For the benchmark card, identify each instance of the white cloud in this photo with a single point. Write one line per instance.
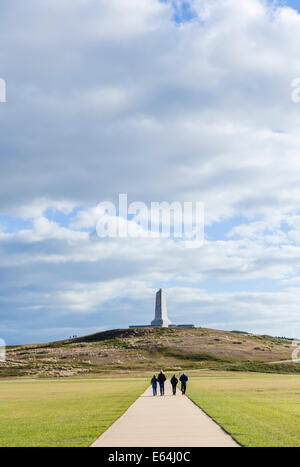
(38, 206)
(115, 97)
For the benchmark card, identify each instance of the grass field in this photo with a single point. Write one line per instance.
(62, 412)
(256, 409)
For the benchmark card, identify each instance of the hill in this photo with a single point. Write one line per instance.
(149, 349)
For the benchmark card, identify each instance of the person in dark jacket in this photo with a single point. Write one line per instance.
(161, 379)
(174, 382)
(154, 385)
(183, 379)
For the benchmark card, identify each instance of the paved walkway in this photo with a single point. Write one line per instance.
(167, 421)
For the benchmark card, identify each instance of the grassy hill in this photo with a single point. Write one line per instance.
(149, 349)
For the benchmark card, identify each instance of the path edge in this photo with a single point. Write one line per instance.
(117, 419)
(222, 428)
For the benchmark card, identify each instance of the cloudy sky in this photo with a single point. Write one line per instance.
(164, 101)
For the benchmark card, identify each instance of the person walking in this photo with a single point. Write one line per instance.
(183, 379)
(174, 382)
(154, 385)
(161, 379)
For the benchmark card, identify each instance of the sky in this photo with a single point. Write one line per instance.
(292, 3)
(164, 101)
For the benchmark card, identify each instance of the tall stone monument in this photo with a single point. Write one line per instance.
(161, 313)
(161, 319)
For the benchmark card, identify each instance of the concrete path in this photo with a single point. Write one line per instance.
(167, 421)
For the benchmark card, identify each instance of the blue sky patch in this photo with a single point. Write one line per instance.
(183, 10)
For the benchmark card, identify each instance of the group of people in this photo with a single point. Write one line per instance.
(161, 379)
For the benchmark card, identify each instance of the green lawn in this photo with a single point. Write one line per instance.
(62, 412)
(256, 409)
